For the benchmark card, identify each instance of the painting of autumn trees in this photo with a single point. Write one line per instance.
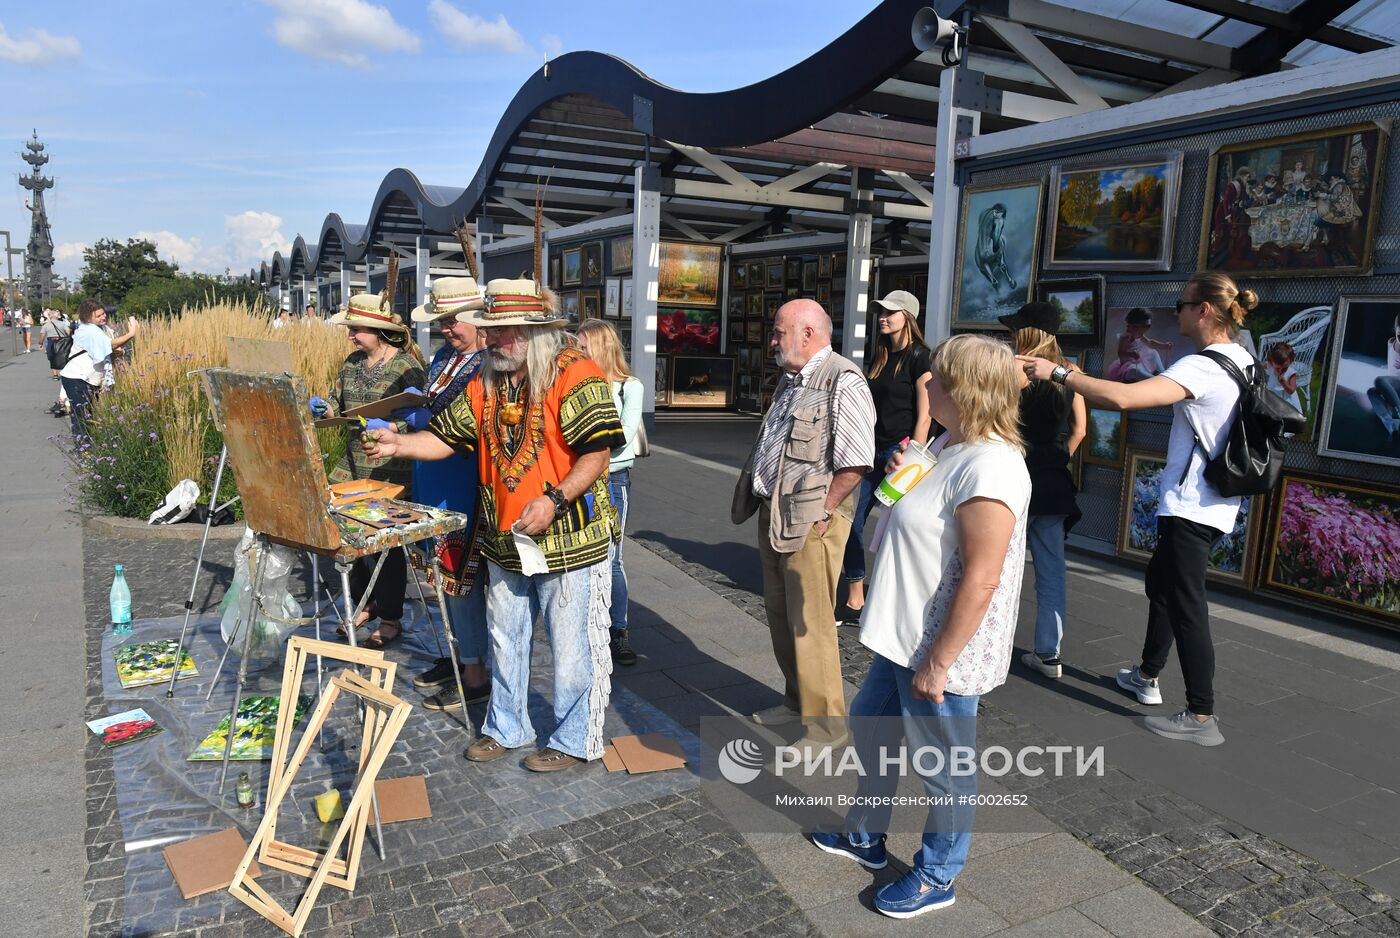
(1117, 217)
(689, 274)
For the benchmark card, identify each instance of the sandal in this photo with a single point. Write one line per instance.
(375, 641)
(369, 616)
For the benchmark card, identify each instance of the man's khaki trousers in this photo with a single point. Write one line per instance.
(799, 593)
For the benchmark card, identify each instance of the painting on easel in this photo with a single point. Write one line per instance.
(257, 730)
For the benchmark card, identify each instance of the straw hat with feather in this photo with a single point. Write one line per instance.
(448, 297)
(515, 303)
(367, 311)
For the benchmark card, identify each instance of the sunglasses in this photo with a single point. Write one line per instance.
(1182, 304)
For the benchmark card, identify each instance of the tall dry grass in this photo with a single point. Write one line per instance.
(157, 412)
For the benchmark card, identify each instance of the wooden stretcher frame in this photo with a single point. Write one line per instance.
(380, 673)
(395, 712)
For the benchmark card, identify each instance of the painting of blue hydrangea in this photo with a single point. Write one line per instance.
(1232, 558)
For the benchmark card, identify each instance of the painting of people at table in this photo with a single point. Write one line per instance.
(1305, 204)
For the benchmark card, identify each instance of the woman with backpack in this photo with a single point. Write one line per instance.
(1192, 514)
(599, 341)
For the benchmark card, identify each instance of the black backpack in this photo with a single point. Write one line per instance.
(1252, 458)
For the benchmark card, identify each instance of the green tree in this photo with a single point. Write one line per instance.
(1079, 200)
(168, 296)
(112, 268)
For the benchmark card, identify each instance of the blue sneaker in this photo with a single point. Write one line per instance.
(908, 896)
(872, 857)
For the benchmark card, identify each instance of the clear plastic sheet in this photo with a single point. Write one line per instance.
(269, 635)
(163, 799)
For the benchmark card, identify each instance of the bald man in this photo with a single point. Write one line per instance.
(817, 441)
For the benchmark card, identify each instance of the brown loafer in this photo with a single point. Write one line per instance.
(550, 760)
(485, 749)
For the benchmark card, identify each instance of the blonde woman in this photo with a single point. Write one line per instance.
(898, 378)
(1053, 424)
(599, 340)
(1191, 514)
(940, 616)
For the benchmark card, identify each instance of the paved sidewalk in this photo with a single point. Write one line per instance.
(41, 661)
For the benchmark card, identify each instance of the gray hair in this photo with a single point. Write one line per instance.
(544, 343)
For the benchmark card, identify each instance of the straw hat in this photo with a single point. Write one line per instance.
(366, 311)
(515, 303)
(449, 296)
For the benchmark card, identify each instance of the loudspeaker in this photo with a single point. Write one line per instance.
(929, 30)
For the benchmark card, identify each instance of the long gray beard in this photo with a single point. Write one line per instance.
(503, 363)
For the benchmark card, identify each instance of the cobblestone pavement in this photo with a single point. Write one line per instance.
(1233, 880)
(580, 852)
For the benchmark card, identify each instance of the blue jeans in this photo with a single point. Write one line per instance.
(886, 694)
(574, 607)
(853, 563)
(468, 614)
(620, 491)
(80, 397)
(1045, 536)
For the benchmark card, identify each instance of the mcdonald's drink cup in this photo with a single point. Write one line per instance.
(918, 462)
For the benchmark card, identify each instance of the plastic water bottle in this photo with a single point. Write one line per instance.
(120, 598)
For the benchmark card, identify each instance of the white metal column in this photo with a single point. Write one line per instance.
(421, 259)
(858, 228)
(943, 232)
(646, 262)
(344, 285)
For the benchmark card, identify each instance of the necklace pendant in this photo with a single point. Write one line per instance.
(511, 413)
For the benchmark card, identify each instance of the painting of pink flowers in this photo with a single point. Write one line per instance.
(1338, 544)
(687, 330)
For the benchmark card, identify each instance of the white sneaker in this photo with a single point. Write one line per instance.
(1146, 689)
(1050, 668)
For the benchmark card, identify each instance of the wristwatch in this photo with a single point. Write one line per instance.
(1059, 374)
(561, 504)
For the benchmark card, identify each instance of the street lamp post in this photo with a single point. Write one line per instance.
(10, 289)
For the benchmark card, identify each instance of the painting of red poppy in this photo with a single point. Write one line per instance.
(687, 330)
(127, 727)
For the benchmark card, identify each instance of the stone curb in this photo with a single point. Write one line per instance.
(111, 526)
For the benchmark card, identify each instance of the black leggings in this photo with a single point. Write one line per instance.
(1176, 590)
(387, 598)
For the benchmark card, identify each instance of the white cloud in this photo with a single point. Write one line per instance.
(67, 257)
(343, 31)
(185, 252)
(38, 48)
(470, 30)
(252, 237)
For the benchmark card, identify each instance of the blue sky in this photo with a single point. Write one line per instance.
(222, 130)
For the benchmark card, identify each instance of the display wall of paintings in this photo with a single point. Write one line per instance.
(1116, 216)
(621, 255)
(702, 381)
(663, 380)
(1337, 544)
(612, 299)
(1080, 304)
(1300, 204)
(1141, 341)
(687, 330)
(1361, 403)
(689, 274)
(1232, 559)
(1291, 340)
(995, 267)
(1104, 436)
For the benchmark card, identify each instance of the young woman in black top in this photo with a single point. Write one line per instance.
(899, 373)
(1053, 424)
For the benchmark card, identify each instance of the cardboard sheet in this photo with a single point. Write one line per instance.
(381, 408)
(206, 864)
(652, 752)
(402, 799)
(612, 761)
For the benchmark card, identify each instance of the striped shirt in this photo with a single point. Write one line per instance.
(853, 421)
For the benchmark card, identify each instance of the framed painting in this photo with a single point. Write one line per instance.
(738, 302)
(687, 330)
(739, 276)
(792, 271)
(1113, 217)
(773, 279)
(627, 298)
(809, 277)
(663, 380)
(753, 332)
(771, 303)
(689, 274)
(621, 251)
(1080, 305)
(1232, 559)
(1104, 437)
(555, 270)
(756, 274)
(824, 267)
(573, 266)
(1140, 342)
(590, 305)
(702, 381)
(736, 331)
(1361, 404)
(1292, 339)
(612, 300)
(823, 292)
(902, 281)
(569, 305)
(1337, 544)
(1305, 204)
(754, 304)
(593, 262)
(995, 268)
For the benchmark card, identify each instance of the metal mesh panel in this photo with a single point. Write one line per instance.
(1101, 490)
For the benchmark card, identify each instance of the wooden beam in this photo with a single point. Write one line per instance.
(1106, 30)
(881, 128)
(1025, 44)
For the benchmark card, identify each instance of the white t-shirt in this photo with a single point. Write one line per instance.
(917, 566)
(1209, 412)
